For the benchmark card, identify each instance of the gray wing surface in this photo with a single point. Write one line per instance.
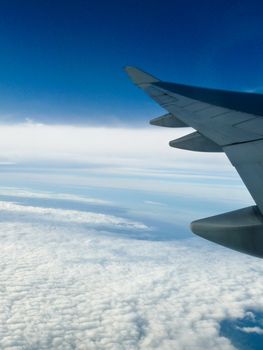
(225, 121)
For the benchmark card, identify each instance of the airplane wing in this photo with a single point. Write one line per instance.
(225, 121)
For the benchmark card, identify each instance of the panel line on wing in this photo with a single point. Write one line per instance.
(245, 121)
(242, 142)
(221, 114)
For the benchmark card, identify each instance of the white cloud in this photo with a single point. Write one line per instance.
(256, 330)
(19, 192)
(70, 280)
(65, 285)
(67, 216)
(136, 159)
(107, 146)
(154, 203)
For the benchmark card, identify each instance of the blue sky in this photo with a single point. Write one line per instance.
(61, 61)
(96, 248)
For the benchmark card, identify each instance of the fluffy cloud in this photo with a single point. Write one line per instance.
(72, 279)
(256, 330)
(68, 285)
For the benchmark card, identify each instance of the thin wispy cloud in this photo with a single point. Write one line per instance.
(68, 216)
(11, 192)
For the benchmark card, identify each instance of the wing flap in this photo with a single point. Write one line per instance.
(247, 158)
(254, 125)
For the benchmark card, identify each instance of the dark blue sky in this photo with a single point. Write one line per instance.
(61, 61)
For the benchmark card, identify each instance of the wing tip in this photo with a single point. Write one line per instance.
(139, 77)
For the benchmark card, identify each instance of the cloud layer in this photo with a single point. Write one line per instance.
(134, 159)
(110, 146)
(73, 278)
(68, 282)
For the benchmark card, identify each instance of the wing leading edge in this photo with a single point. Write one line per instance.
(225, 121)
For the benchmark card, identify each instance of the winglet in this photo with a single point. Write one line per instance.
(140, 77)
